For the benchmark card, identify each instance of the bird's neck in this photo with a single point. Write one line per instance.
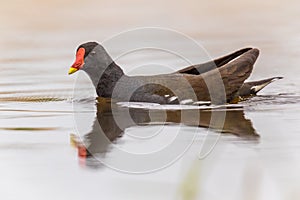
(105, 79)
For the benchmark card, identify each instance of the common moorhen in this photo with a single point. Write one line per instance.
(218, 81)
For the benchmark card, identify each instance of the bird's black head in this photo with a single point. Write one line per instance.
(93, 59)
(88, 47)
(82, 52)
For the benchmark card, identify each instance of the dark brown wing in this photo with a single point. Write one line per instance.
(229, 78)
(205, 67)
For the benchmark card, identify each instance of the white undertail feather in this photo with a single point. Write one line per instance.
(257, 88)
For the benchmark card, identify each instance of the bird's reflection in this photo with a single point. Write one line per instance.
(112, 120)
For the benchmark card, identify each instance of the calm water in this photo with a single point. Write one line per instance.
(39, 110)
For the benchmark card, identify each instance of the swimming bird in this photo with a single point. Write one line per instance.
(218, 81)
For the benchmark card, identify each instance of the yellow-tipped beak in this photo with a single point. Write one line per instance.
(72, 70)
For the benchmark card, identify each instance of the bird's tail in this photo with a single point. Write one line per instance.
(257, 86)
